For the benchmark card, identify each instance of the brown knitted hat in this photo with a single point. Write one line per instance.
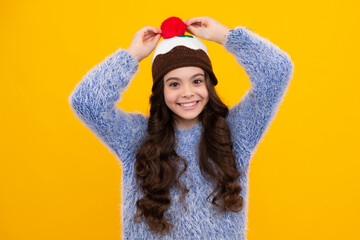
(181, 56)
(177, 50)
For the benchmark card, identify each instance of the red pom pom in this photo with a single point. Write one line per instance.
(172, 27)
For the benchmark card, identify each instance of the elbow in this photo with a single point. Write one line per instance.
(72, 99)
(75, 102)
(280, 67)
(286, 67)
(78, 97)
(79, 107)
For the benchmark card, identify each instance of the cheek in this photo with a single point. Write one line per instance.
(205, 94)
(169, 97)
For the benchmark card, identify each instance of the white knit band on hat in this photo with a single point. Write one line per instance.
(185, 40)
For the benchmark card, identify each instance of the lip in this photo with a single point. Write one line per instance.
(189, 108)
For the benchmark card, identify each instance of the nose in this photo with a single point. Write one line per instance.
(187, 91)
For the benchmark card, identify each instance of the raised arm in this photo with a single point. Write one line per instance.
(270, 70)
(94, 98)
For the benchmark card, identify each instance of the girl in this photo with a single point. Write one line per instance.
(185, 167)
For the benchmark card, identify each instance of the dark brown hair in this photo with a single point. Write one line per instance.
(157, 162)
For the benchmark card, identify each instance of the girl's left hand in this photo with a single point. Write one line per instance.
(207, 28)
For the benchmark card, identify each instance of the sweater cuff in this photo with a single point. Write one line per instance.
(127, 61)
(238, 35)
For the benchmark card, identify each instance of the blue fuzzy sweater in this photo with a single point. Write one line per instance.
(94, 103)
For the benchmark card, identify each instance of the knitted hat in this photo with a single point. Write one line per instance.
(177, 50)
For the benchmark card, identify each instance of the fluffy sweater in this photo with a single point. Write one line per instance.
(94, 102)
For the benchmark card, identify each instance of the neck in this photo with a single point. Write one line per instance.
(185, 123)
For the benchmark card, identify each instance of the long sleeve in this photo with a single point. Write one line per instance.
(270, 70)
(94, 103)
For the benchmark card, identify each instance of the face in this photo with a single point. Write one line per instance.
(185, 94)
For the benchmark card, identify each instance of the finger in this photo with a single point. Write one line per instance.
(152, 29)
(149, 38)
(192, 30)
(191, 21)
(145, 31)
(189, 31)
(150, 35)
(157, 38)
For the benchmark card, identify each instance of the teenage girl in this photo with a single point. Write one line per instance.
(185, 167)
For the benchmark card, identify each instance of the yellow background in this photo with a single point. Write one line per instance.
(58, 181)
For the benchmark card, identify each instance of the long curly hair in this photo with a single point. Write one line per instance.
(157, 162)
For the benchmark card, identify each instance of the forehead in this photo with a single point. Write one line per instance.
(184, 72)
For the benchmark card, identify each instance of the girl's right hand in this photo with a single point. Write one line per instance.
(144, 42)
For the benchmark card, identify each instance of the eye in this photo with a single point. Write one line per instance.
(174, 84)
(198, 81)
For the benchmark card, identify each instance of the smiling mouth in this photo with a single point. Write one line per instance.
(189, 105)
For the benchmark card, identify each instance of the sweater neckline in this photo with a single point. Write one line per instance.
(196, 127)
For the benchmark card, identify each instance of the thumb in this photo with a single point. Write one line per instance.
(157, 38)
(191, 30)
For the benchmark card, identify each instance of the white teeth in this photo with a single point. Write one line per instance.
(188, 104)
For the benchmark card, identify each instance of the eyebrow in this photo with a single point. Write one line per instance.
(175, 78)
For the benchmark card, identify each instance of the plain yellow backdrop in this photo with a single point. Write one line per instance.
(58, 181)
